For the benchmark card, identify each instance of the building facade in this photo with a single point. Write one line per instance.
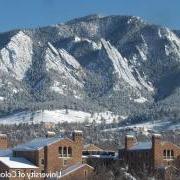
(149, 155)
(54, 154)
(3, 141)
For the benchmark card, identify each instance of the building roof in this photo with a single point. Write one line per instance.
(141, 146)
(6, 152)
(17, 163)
(37, 144)
(3, 135)
(91, 147)
(130, 136)
(73, 168)
(100, 156)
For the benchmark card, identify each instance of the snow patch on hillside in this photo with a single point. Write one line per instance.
(140, 100)
(1, 98)
(60, 116)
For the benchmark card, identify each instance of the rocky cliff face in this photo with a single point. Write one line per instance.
(120, 63)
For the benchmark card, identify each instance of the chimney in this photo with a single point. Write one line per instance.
(156, 138)
(3, 141)
(77, 136)
(156, 150)
(130, 141)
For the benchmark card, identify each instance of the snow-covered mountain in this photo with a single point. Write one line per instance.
(117, 63)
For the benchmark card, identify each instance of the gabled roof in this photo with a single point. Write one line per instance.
(37, 144)
(73, 168)
(142, 146)
(17, 163)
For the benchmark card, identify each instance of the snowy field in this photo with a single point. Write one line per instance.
(59, 116)
(156, 125)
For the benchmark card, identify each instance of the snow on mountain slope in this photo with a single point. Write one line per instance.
(60, 61)
(140, 100)
(125, 71)
(16, 57)
(173, 47)
(120, 64)
(114, 62)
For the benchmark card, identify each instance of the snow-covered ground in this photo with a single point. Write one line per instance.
(59, 116)
(1, 98)
(140, 100)
(156, 125)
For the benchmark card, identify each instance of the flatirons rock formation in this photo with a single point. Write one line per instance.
(119, 63)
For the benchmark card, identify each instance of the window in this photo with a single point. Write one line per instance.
(60, 151)
(69, 152)
(132, 154)
(85, 173)
(65, 162)
(32, 171)
(172, 154)
(164, 154)
(42, 161)
(168, 154)
(18, 173)
(65, 152)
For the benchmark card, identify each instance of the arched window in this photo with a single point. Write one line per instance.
(69, 152)
(164, 154)
(172, 154)
(60, 151)
(168, 154)
(65, 152)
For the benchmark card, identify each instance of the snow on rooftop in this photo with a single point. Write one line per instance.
(6, 152)
(37, 143)
(77, 131)
(3, 135)
(142, 146)
(73, 168)
(14, 162)
(157, 135)
(130, 136)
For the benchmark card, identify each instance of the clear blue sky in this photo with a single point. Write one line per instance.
(34, 13)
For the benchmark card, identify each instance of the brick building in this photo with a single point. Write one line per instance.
(3, 141)
(150, 155)
(50, 154)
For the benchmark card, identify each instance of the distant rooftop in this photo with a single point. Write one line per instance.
(91, 147)
(37, 144)
(142, 146)
(130, 136)
(73, 168)
(14, 162)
